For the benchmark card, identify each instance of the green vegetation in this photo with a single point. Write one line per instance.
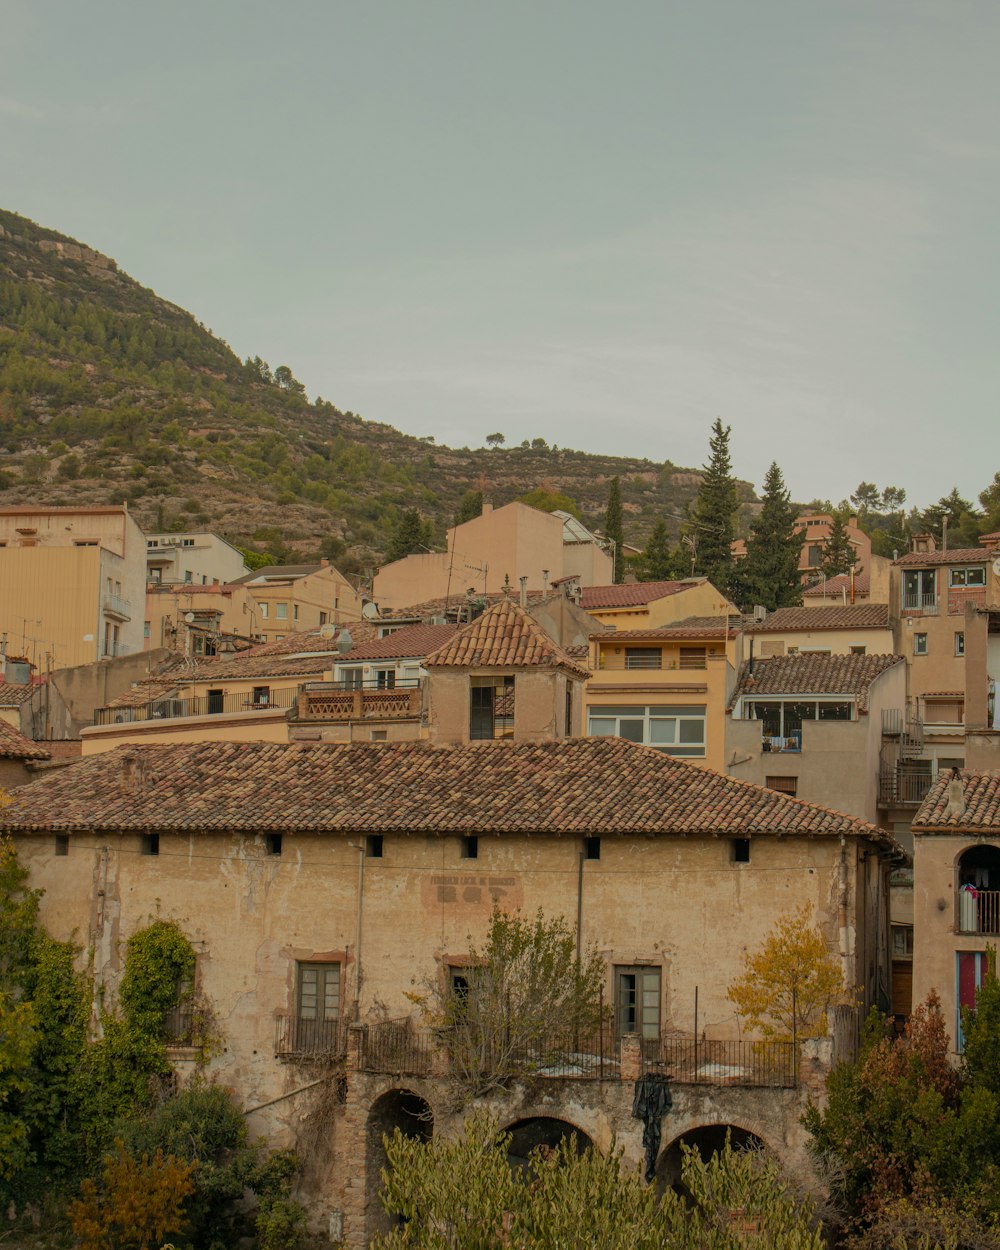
(614, 526)
(769, 572)
(714, 514)
(461, 1194)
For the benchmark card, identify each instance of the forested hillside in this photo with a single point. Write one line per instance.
(108, 393)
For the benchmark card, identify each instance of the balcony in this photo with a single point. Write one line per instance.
(774, 743)
(979, 911)
(309, 1039)
(650, 663)
(204, 705)
(115, 605)
(920, 601)
(397, 1047)
(902, 789)
(336, 701)
(112, 649)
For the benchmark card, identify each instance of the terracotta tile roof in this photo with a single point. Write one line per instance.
(450, 606)
(280, 572)
(835, 586)
(813, 674)
(412, 640)
(14, 696)
(504, 636)
(692, 627)
(629, 594)
(575, 786)
(15, 746)
(959, 555)
(844, 616)
(981, 792)
(944, 694)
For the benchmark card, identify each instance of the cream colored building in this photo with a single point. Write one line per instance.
(495, 550)
(864, 584)
(292, 598)
(853, 629)
(650, 605)
(197, 558)
(194, 619)
(72, 584)
(324, 884)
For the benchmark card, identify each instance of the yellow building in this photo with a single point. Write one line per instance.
(193, 620)
(72, 584)
(292, 598)
(648, 605)
(852, 629)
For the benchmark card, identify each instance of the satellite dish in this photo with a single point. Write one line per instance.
(370, 611)
(996, 566)
(189, 617)
(327, 631)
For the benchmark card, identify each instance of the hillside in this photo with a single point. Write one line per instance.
(108, 392)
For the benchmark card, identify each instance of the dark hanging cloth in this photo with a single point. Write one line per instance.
(651, 1103)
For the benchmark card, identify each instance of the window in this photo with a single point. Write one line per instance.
(353, 678)
(261, 696)
(385, 679)
(902, 941)
(379, 735)
(62, 844)
(784, 785)
(264, 610)
(188, 575)
(815, 556)
(568, 731)
(858, 650)
(150, 844)
(675, 730)
(373, 846)
(145, 629)
(317, 1007)
(643, 657)
(281, 611)
(919, 590)
(919, 644)
(591, 848)
(782, 719)
(187, 542)
(322, 618)
(967, 577)
(740, 850)
(693, 657)
(272, 843)
(637, 1001)
(295, 611)
(959, 643)
(470, 847)
(491, 708)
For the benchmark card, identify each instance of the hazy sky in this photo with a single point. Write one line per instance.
(604, 224)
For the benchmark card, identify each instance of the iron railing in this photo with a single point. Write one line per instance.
(178, 1026)
(917, 601)
(313, 1039)
(634, 663)
(690, 1061)
(398, 1048)
(202, 705)
(978, 911)
(115, 605)
(903, 788)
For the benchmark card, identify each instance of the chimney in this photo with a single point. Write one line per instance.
(524, 591)
(133, 775)
(487, 508)
(955, 807)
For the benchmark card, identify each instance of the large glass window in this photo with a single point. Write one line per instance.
(782, 719)
(919, 589)
(637, 1001)
(967, 577)
(675, 730)
(643, 657)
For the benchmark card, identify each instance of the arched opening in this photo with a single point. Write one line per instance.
(978, 869)
(708, 1140)
(528, 1135)
(412, 1115)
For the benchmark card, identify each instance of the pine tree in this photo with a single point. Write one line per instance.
(407, 537)
(838, 554)
(715, 512)
(614, 525)
(661, 562)
(768, 574)
(470, 506)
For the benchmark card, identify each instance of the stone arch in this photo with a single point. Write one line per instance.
(977, 880)
(412, 1115)
(979, 865)
(530, 1132)
(707, 1140)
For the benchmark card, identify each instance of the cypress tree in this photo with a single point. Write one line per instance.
(769, 572)
(715, 512)
(614, 525)
(660, 561)
(407, 537)
(838, 554)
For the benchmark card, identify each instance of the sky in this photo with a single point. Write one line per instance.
(600, 224)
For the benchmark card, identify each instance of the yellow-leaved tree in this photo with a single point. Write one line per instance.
(789, 984)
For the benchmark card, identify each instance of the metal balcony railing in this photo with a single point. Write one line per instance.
(917, 601)
(903, 788)
(748, 1064)
(978, 911)
(639, 663)
(115, 605)
(309, 1039)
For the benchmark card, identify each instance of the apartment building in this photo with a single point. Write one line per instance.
(814, 529)
(72, 584)
(195, 558)
(292, 598)
(849, 629)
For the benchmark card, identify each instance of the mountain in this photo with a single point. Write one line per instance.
(108, 392)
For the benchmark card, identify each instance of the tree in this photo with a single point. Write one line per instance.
(495, 440)
(461, 1194)
(545, 499)
(284, 378)
(962, 520)
(788, 985)
(714, 512)
(838, 553)
(139, 1203)
(538, 444)
(470, 506)
(407, 537)
(769, 572)
(526, 995)
(614, 526)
